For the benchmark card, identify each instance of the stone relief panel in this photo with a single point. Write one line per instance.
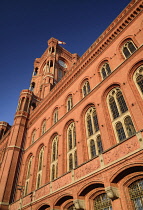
(63, 181)
(42, 191)
(121, 150)
(87, 168)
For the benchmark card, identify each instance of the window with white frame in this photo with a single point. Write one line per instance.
(28, 176)
(138, 79)
(93, 133)
(43, 128)
(55, 116)
(33, 136)
(40, 167)
(105, 70)
(85, 88)
(69, 103)
(71, 147)
(121, 119)
(128, 48)
(54, 158)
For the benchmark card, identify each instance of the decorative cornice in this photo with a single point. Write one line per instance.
(105, 39)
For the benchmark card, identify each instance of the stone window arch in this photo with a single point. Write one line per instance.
(85, 88)
(128, 48)
(40, 167)
(93, 133)
(105, 70)
(71, 147)
(54, 158)
(28, 176)
(121, 119)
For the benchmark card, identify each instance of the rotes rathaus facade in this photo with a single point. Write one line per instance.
(77, 137)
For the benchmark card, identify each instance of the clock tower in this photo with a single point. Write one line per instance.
(50, 68)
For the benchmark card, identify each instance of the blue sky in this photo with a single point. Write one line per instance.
(25, 28)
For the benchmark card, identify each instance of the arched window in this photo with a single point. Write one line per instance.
(69, 103)
(54, 158)
(33, 136)
(105, 70)
(32, 86)
(136, 194)
(119, 112)
(128, 48)
(55, 116)
(93, 133)
(102, 202)
(117, 103)
(85, 88)
(71, 147)
(28, 176)
(35, 72)
(40, 166)
(43, 128)
(138, 79)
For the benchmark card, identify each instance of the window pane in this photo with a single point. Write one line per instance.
(84, 90)
(95, 120)
(89, 126)
(88, 87)
(131, 47)
(113, 107)
(99, 144)
(92, 148)
(70, 139)
(54, 151)
(126, 52)
(103, 73)
(120, 131)
(129, 126)
(102, 202)
(108, 68)
(70, 162)
(75, 159)
(53, 172)
(139, 81)
(136, 194)
(122, 103)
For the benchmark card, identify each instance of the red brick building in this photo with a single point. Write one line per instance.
(77, 137)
